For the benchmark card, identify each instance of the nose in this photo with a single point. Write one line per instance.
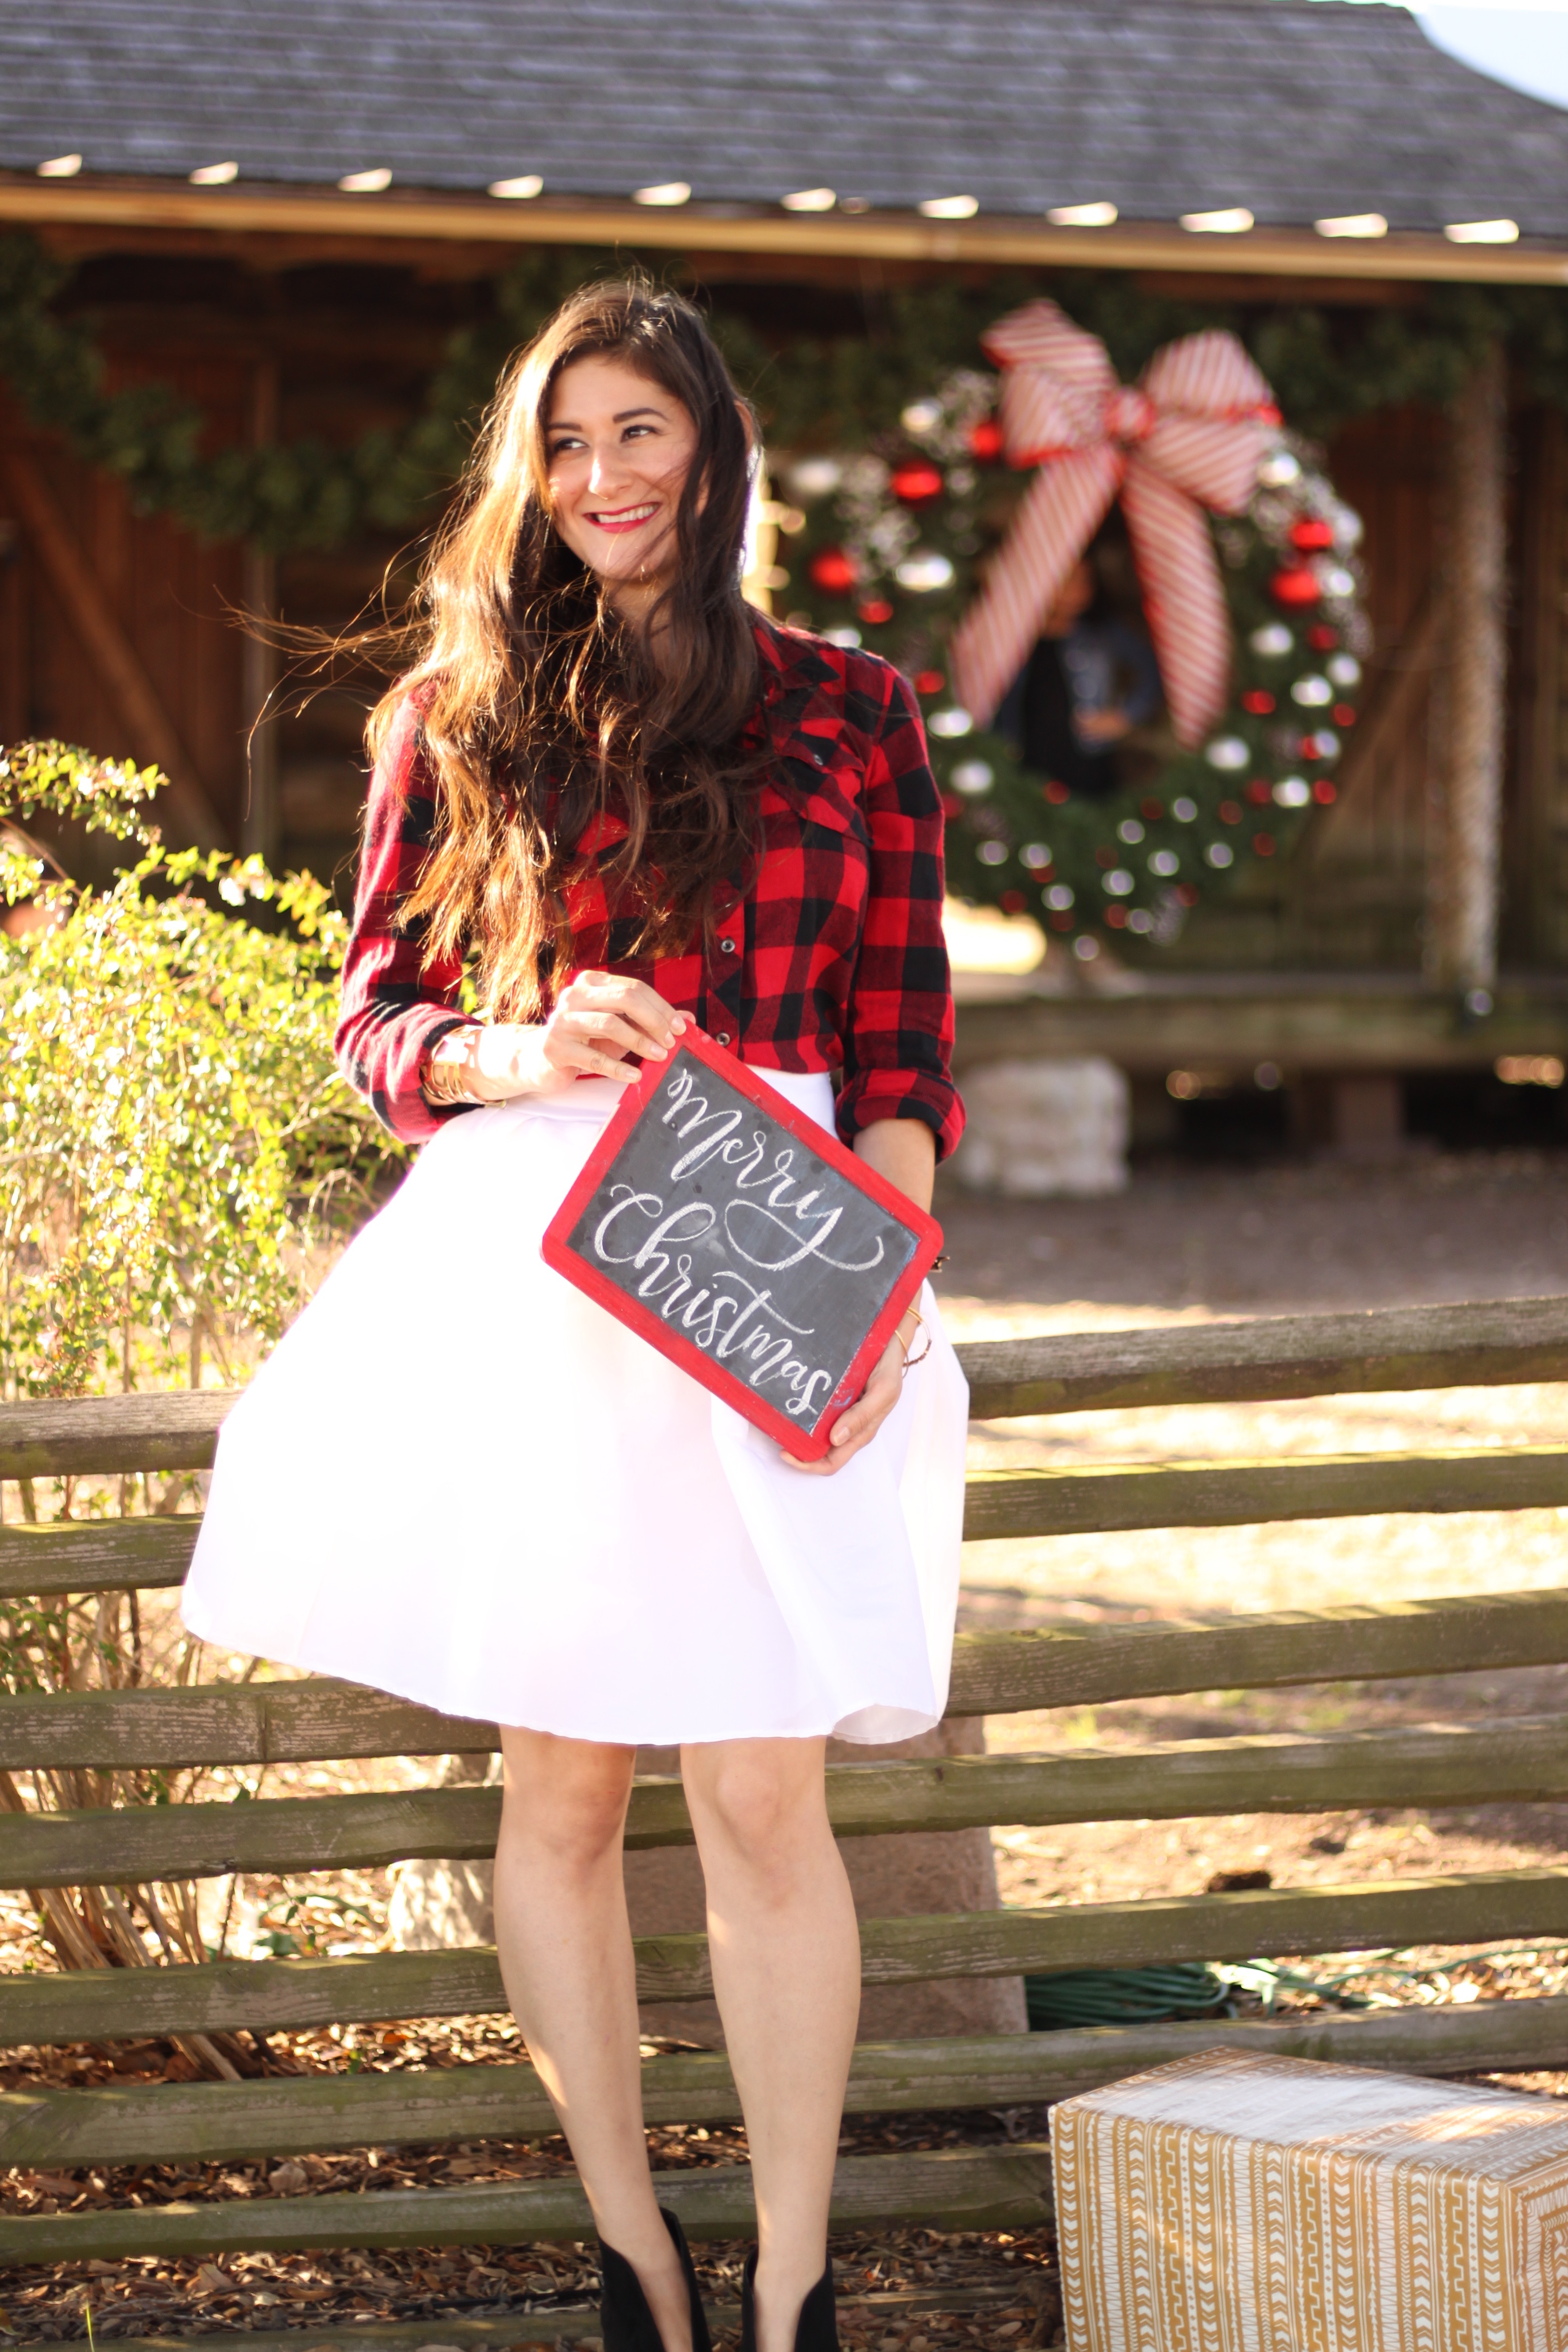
(604, 470)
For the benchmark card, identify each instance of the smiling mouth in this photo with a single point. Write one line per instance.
(626, 517)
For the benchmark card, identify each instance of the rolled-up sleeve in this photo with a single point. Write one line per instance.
(394, 1004)
(898, 1047)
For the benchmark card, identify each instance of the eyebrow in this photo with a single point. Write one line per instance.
(621, 416)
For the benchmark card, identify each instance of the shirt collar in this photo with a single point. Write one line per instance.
(793, 670)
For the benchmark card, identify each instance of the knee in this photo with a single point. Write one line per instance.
(564, 1800)
(758, 1810)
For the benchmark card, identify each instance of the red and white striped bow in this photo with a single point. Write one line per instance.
(1189, 436)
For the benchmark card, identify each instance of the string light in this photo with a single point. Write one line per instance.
(1230, 221)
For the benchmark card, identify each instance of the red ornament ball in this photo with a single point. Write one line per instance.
(986, 440)
(1259, 701)
(1260, 792)
(1057, 793)
(1151, 811)
(1229, 813)
(1115, 918)
(1013, 902)
(1345, 714)
(1321, 638)
(1263, 843)
(1310, 536)
(915, 483)
(1188, 894)
(1295, 587)
(929, 681)
(834, 571)
(1325, 792)
(874, 611)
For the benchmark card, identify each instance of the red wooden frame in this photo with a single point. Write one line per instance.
(808, 1444)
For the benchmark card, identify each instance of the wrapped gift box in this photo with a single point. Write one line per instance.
(1233, 2203)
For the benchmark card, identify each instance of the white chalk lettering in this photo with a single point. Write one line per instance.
(774, 1213)
(811, 1247)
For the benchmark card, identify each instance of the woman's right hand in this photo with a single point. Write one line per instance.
(598, 1020)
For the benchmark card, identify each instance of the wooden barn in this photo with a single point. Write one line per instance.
(293, 221)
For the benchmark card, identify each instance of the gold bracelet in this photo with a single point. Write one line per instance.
(919, 1323)
(443, 1084)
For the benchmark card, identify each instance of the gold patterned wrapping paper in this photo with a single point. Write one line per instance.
(1232, 2203)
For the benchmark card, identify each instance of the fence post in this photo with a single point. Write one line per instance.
(1465, 858)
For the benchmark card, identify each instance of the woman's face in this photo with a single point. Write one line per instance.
(619, 449)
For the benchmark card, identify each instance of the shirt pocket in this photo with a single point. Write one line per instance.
(820, 800)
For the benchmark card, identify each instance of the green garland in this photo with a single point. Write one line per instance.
(846, 393)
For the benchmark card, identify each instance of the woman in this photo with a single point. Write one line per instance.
(1091, 679)
(632, 804)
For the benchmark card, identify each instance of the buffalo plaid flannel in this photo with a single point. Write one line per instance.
(833, 961)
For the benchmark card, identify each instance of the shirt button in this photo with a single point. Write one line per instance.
(728, 946)
(723, 1037)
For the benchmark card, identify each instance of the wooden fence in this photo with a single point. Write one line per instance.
(1506, 1757)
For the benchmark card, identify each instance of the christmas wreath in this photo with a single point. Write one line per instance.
(934, 550)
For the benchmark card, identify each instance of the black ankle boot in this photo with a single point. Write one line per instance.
(816, 2329)
(624, 2320)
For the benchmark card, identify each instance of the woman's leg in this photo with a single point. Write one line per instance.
(566, 1960)
(786, 1971)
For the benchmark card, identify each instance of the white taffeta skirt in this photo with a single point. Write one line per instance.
(459, 1479)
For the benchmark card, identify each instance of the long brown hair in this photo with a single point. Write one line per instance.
(542, 710)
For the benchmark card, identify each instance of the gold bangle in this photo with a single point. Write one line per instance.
(920, 1325)
(444, 1085)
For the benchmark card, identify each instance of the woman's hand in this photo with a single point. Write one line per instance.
(598, 1020)
(856, 1428)
(904, 1152)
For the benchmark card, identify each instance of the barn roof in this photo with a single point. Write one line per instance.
(1296, 109)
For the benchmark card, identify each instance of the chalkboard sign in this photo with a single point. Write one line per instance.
(743, 1242)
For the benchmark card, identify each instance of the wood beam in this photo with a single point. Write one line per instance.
(721, 228)
(149, 729)
(1543, 520)
(1464, 867)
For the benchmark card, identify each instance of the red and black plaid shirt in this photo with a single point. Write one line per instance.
(833, 961)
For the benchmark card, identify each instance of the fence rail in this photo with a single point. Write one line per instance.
(187, 2122)
(314, 1719)
(1523, 1758)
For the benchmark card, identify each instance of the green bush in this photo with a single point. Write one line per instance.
(178, 1152)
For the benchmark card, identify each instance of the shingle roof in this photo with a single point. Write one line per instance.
(1294, 108)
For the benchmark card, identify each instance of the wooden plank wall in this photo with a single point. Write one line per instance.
(330, 351)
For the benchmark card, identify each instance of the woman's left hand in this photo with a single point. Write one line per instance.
(865, 1417)
(903, 1152)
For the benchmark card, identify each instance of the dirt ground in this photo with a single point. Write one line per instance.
(1184, 1244)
